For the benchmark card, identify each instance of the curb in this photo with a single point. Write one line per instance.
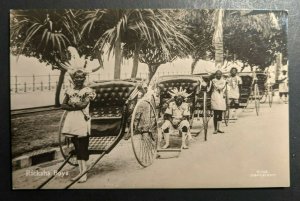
(35, 158)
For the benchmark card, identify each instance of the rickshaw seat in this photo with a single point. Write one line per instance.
(107, 109)
(246, 80)
(261, 80)
(190, 85)
(110, 99)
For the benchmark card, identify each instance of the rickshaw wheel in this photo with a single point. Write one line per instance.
(65, 144)
(226, 114)
(270, 96)
(256, 97)
(144, 132)
(227, 111)
(205, 125)
(248, 102)
(264, 98)
(205, 116)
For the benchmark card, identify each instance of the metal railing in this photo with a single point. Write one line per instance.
(42, 83)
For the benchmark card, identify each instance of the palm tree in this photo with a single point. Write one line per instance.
(44, 35)
(199, 28)
(132, 29)
(154, 56)
(262, 22)
(254, 37)
(218, 38)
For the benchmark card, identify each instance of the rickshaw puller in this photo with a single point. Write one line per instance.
(234, 87)
(218, 102)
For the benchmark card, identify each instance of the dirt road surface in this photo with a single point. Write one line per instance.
(253, 151)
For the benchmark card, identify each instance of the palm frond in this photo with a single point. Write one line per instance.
(45, 33)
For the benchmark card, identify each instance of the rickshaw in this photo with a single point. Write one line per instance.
(268, 92)
(120, 107)
(207, 78)
(199, 101)
(253, 87)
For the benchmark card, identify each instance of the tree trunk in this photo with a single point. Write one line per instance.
(218, 38)
(118, 58)
(152, 70)
(58, 87)
(195, 61)
(135, 61)
(219, 54)
(278, 65)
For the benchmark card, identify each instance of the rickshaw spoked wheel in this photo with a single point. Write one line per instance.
(227, 111)
(144, 132)
(65, 144)
(270, 96)
(226, 114)
(256, 97)
(205, 116)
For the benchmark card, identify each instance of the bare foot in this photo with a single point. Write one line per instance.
(184, 147)
(190, 137)
(76, 177)
(83, 179)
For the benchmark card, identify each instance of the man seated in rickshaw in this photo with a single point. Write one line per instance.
(176, 116)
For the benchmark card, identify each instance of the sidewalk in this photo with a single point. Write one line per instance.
(33, 99)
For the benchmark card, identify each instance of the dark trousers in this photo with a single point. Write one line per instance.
(217, 117)
(81, 145)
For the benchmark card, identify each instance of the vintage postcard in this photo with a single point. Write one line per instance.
(149, 98)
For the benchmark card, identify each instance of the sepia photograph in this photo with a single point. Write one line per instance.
(149, 98)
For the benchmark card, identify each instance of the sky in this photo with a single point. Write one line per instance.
(25, 66)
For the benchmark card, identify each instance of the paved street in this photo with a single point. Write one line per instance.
(253, 151)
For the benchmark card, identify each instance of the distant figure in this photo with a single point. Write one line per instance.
(234, 87)
(270, 81)
(283, 86)
(78, 122)
(218, 100)
(270, 77)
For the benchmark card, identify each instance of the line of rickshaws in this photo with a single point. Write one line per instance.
(125, 108)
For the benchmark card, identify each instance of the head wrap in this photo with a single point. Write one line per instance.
(75, 64)
(181, 92)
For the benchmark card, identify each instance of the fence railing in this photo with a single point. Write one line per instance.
(42, 83)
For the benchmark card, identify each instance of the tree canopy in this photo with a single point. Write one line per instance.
(151, 36)
(255, 38)
(46, 35)
(199, 28)
(43, 35)
(137, 30)
(252, 37)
